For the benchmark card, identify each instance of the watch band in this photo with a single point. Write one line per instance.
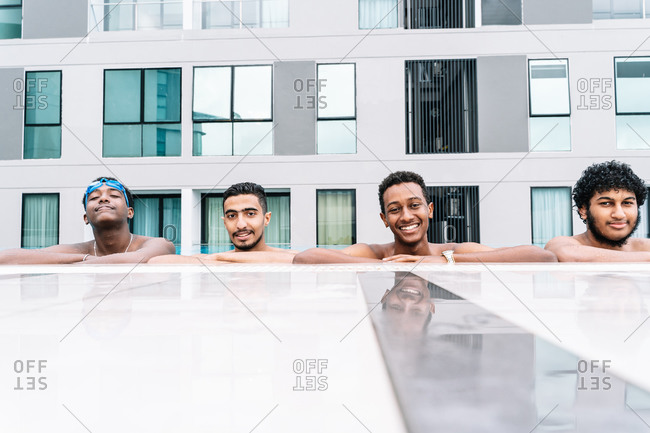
(449, 255)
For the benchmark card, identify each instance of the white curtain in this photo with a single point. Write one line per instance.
(40, 220)
(275, 13)
(145, 216)
(551, 214)
(380, 13)
(172, 219)
(216, 234)
(336, 215)
(278, 232)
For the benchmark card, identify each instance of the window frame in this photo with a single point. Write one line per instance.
(530, 96)
(22, 215)
(354, 212)
(160, 197)
(10, 7)
(570, 210)
(31, 125)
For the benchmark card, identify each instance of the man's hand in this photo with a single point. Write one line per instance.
(407, 258)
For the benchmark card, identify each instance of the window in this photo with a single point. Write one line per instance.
(550, 214)
(441, 106)
(337, 111)
(236, 14)
(157, 216)
(115, 15)
(419, 14)
(550, 110)
(615, 9)
(42, 115)
(643, 230)
(40, 223)
(632, 84)
(336, 217)
(11, 19)
(501, 12)
(233, 113)
(142, 112)
(455, 214)
(214, 237)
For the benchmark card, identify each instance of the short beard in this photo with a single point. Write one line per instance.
(591, 226)
(248, 247)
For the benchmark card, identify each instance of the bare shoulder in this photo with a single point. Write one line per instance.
(78, 248)
(639, 244)
(141, 242)
(563, 241)
(371, 251)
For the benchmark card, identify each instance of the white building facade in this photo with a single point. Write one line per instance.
(499, 105)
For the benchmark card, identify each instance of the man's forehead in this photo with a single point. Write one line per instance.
(242, 201)
(104, 188)
(611, 193)
(404, 191)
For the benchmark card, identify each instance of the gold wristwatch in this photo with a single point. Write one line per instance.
(449, 255)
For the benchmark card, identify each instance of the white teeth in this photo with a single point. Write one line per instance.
(412, 226)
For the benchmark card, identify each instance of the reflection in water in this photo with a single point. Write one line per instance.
(408, 307)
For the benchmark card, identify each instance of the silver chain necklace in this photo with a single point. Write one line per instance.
(127, 247)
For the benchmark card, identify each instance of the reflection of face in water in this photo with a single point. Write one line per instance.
(407, 306)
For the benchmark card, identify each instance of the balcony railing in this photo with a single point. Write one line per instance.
(149, 15)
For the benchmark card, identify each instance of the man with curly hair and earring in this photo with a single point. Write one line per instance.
(607, 197)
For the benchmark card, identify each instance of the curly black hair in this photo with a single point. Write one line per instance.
(401, 177)
(605, 176)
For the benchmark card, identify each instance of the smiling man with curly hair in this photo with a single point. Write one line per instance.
(607, 197)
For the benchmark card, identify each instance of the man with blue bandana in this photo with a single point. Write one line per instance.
(109, 207)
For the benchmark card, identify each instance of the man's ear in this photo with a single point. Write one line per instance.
(583, 213)
(130, 213)
(383, 218)
(86, 219)
(432, 308)
(431, 210)
(267, 219)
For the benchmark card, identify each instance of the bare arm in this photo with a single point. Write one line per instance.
(276, 256)
(358, 253)
(150, 248)
(54, 255)
(473, 252)
(569, 249)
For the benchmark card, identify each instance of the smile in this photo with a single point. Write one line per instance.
(618, 224)
(409, 227)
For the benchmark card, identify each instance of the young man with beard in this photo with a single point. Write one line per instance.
(608, 197)
(406, 210)
(245, 217)
(108, 206)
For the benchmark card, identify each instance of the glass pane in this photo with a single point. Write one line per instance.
(549, 87)
(278, 232)
(254, 138)
(249, 12)
(162, 95)
(212, 139)
(40, 225)
(337, 136)
(501, 12)
(11, 2)
(212, 93)
(162, 139)
(627, 9)
(633, 85)
(252, 92)
(122, 140)
(551, 214)
(116, 16)
(42, 142)
(215, 231)
(336, 91)
(336, 217)
(217, 14)
(172, 219)
(11, 23)
(43, 98)
(633, 132)
(122, 96)
(380, 14)
(146, 216)
(550, 134)
(275, 13)
(149, 16)
(602, 9)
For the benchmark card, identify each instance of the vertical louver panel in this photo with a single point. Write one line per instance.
(455, 214)
(441, 106)
(439, 14)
